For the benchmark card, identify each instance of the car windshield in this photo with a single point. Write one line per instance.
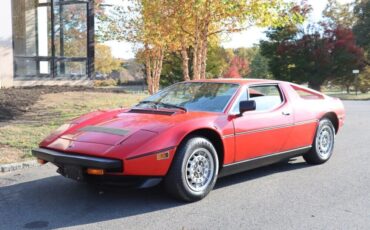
(193, 96)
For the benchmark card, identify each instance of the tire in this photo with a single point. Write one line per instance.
(194, 170)
(323, 143)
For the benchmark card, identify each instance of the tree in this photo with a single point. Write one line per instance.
(258, 64)
(105, 63)
(346, 56)
(364, 80)
(361, 28)
(259, 67)
(246, 53)
(341, 18)
(201, 20)
(101, 21)
(217, 63)
(280, 60)
(239, 67)
(312, 56)
(337, 14)
(172, 69)
(147, 23)
(188, 26)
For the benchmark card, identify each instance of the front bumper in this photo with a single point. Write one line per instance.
(74, 166)
(61, 159)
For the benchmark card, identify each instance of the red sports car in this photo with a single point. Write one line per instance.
(191, 133)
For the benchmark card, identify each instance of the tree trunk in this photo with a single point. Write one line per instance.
(185, 63)
(203, 62)
(195, 62)
(196, 46)
(348, 89)
(157, 74)
(148, 68)
(199, 59)
(153, 65)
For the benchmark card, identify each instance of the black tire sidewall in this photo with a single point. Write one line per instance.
(313, 156)
(175, 181)
(194, 144)
(322, 124)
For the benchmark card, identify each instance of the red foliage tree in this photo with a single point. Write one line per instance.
(346, 55)
(313, 56)
(239, 67)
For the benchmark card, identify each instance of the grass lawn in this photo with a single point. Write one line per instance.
(19, 136)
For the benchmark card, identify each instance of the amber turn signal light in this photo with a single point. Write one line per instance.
(98, 172)
(41, 161)
(163, 156)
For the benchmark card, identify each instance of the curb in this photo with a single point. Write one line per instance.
(17, 166)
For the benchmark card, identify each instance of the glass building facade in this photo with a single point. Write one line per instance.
(53, 39)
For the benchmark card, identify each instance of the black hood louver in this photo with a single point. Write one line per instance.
(150, 111)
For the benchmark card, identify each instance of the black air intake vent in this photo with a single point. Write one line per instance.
(149, 111)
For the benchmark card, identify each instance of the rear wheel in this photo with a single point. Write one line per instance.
(194, 170)
(323, 144)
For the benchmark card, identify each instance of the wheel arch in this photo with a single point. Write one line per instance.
(333, 118)
(214, 137)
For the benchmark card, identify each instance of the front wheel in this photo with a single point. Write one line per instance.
(194, 170)
(323, 144)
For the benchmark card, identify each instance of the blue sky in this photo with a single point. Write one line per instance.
(243, 39)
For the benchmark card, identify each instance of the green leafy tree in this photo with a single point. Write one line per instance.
(246, 53)
(361, 29)
(105, 63)
(172, 69)
(364, 80)
(217, 64)
(216, 61)
(259, 67)
(280, 61)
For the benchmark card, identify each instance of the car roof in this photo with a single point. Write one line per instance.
(241, 81)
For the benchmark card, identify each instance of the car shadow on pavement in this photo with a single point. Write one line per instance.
(281, 167)
(56, 202)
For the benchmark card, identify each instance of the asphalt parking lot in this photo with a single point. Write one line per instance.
(291, 195)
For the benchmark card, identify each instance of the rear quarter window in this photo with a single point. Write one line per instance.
(306, 94)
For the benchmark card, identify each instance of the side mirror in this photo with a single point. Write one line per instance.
(245, 106)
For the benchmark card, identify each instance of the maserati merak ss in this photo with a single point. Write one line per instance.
(191, 133)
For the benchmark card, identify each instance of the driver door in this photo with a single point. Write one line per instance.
(265, 130)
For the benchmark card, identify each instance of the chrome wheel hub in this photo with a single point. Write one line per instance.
(199, 169)
(325, 142)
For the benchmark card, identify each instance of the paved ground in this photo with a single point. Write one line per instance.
(284, 196)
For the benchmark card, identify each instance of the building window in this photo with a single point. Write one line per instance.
(53, 38)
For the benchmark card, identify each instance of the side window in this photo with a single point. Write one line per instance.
(267, 97)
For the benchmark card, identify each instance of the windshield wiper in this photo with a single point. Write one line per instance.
(148, 102)
(173, 106)
(156, 103)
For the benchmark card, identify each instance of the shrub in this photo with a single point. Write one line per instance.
(363, 88)
(106, 82)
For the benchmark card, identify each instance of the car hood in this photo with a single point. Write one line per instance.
(114, 130)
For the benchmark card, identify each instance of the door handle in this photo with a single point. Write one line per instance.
(286, 113)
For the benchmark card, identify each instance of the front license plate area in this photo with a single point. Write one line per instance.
(73, 172)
